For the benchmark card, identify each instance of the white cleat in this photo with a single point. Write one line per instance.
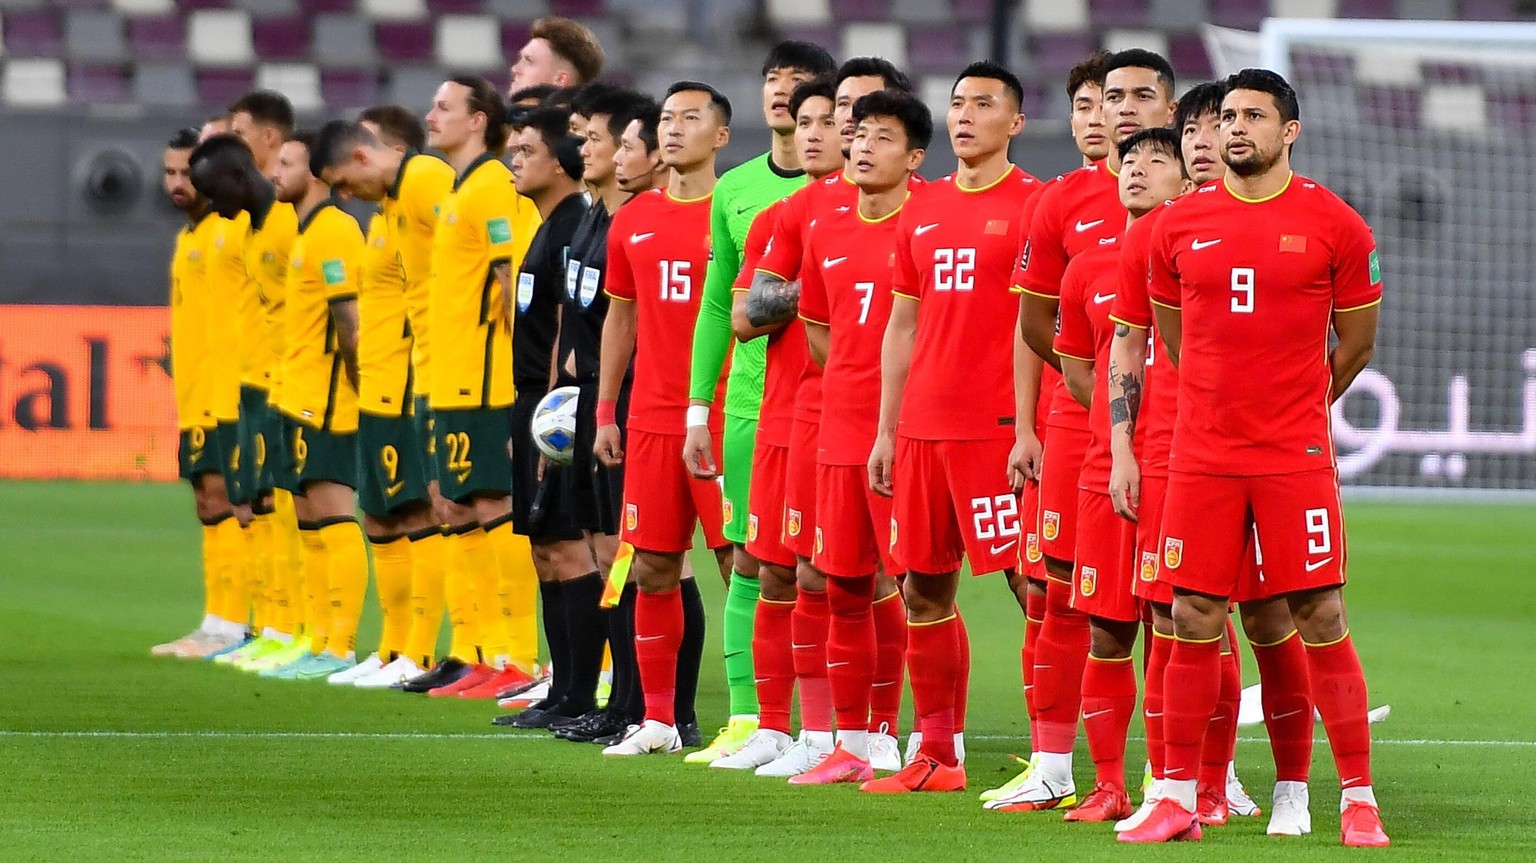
(1380, 714)
(762, 747)
(532, 695)
(1038, 793)
(1289, 815)
(915, 742)
(357, 672)
(802, 755)
(1250, 709)
(648, 738)
(1238, 801)
(402, 670)
(1148, 803)
(884, 751)
(185, 644)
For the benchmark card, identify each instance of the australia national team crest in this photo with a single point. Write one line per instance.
(1173, 552)
(1149, 566)
(1087, 580)
(751, 528)
(631, 516)
(1050, 525)
(792, 522)
(1032, 547)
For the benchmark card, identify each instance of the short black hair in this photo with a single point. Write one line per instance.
(1141, 58)
(649, 117)
(1089, 70)
(997, 72)
(484, 98)
(637, 106)
(862, 67)
(1159, 138)
(335, 141)
(820, 86)
(535, 92)
(717, 99)
(560, 97)
(183, 139)
(1198, 101)
(910, 110)
(553, 125)
(795, 54)
(1267, 81)
(268, 107)
(224, 148)
(591, 94)
(397, 123)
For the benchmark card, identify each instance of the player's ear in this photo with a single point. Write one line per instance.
(1292, 131)
(722, 137)
(1018, 124)
(915, 159)
(1186, 186)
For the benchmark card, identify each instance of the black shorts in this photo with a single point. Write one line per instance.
(541, 508)
(316, 455)
(393, 464)
(472, 455)
(595, 491)
(255, 459)
(197, 453)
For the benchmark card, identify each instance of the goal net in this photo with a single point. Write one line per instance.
(1429, 130)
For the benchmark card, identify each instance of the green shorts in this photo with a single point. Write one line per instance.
(197, 453)
(421, 415)
(472, 452)
(255, 416)
(736, 453)
(393, 469)
(315, 455)
(232, 460)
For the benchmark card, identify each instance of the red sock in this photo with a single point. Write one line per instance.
(1034, 615)
(1221, 734)
(933, 662)
(1338, 688)
(851, 648)
(890, 616)
(1287, 699)
(1191, 686)
(809, 627)
(658, 634)
(963, 676)
(1152, 700)
(773, 663)
(1109, 699)
(1059, 660)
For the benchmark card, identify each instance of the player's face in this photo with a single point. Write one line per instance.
(450, 124)
(262, 139)
(848, 92)
(359, 175)
(882, 158)
(1200, 140)
(635, 170)
(177, 166)
(982, 118)
(577, 125)
(817, 141)
(778, 85)
(533, 166)
(537, 64)
(1088, 126)
(291, 177)
(1134, 100)
(1253, 137)
(690, 130)
(597, 151)
(1148, 177)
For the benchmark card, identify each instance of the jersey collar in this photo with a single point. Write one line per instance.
(971, 191)
(1289, 177)
(310, 219)
(394, 188)
(487, 156)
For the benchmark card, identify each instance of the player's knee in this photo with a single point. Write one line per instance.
(1198, 617)
(1061, 569)
(1319, 615)
(928, 597)
(777, 582)
(1112, 639)
(745, 563)
(657, 573)
(808, 577)
(1267, 621)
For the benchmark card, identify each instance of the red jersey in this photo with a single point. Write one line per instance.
(954, 253)
(845, 284)
(658, 248)
(1087, 289)
(1160, 387)
(1258, 282)
(787, 355)
(1078, 210)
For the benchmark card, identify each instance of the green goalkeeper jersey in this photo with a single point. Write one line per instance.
(740, 195)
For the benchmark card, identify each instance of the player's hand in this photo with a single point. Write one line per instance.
(1125, 487)
(880, 471)
(699, 453)
(243, 514)
(606, 446)
(543, 462)
(1024, 459)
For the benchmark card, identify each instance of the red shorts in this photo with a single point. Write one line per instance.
(1149, 538)
(662, 501)
(1059, 475)
(1031, 559)
(854, 533)
(1104, 561)
(765, 505)
(800, 490)
(953, 502)
(1210, 521)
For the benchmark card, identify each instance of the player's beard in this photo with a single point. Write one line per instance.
(1257, 161)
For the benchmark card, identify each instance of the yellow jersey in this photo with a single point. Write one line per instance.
(189, 324)
(420, 188)
(266, 262)
(322, 271)
(483, 223)
(384, 336)
(227, 287)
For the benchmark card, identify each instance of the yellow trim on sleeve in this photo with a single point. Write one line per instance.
(1358, 308)
(772, 273)
(814, 321)
(897, 293)
(1166, 306)
(1023, 290)
(620, 299)
(1071, 356)
(1128, 323)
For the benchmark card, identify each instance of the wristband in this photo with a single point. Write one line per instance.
(698, 415)
(607, 412)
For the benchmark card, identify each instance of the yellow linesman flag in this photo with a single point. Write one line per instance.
(622, 561)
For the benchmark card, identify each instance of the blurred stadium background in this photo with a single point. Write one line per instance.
(1428, 135)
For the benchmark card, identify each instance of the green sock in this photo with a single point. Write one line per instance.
(736, 632)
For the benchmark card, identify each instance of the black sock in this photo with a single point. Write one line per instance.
(585, 633)
(553, 600)
(627, 700)
(690, 655)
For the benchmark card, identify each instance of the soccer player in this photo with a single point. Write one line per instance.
(484, 229)
(1255, 275)
(560, 52)
(1074, 214)
(657, 246)
(198, 449)
(743, 192)
(941, 459)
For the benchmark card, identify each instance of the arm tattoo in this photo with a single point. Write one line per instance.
(1127, 407)
(771, 301)
(1122, 330)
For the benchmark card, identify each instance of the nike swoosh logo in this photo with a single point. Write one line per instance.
(1101, 299)
(1276, 717)
(1083, 226)
(1151, 715)
(882, 683)
(838, 664)
(640, 238)
(1314, 566)
(794, 646)
(828, 263)
(761, 680)
(999, 549)
(1197, 245)
(394, 489)
(1088, 716)
(923, 229)
(649, 637)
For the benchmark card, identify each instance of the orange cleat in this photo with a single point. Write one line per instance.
(1211, 805)
(477, 675)
(1169, 822)
(922, 774)
(1104, 803)
(840, 766)
(1360, 827)
(499, 682)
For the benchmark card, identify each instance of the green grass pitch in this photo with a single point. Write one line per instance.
(112, 756)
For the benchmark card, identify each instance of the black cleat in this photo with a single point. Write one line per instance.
(690, 734)
(592, 726)
(448, 671)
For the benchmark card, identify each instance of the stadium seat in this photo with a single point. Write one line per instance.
(1056, 53)
(93, 35)
(144, 7)
(33, 33)
(219, 87)
(1118, 13)
(320, 7)
(971, 12)
(157, 38)
(98, 84)
(800, 13)
(219, 37)
(350, 88)
(1242, 14)
(404, 41)
(394, 10)
(414, 85)
(1186, 51)
(1490, 10)
(937, 49)
(861, 10)
(920, 11)
(33, 82)
(1178, 14)
(1430, 10)
(469, 42)
(525, 11)
(514, 35)
(1390, 107)
(577, 8)
(281, 38)
(1514, 110)
(344, 42)
(1152, 40)
(1303, 8)
(1461, 108)
(299, 81)
(879, 40)
(1367, 9)
(167, 84)
(1055, 16)
(259, 9)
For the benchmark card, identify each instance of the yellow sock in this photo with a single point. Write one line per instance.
(288, 562)
(258, 564)
(213, 595)
(231, 543)
(348, 575)
(392, 577)
(518, 594)
(459, 592)
(317, 581)
(428, 551)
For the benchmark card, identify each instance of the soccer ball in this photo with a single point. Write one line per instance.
(554, 424)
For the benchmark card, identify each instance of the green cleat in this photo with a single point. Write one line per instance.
(1015, 782)
(289, 653)
(287, 671)
(320, 666)
(246, 651)
(1146, 780)
(730, 740)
